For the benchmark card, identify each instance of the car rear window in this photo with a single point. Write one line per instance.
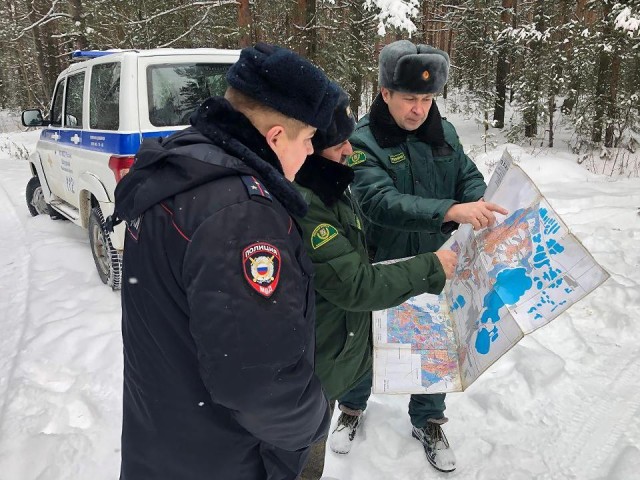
(176, 90)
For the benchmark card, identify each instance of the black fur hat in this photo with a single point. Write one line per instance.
(286, 82)
(341, 127)
(406, 67)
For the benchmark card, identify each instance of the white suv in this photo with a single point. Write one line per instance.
(101, 110)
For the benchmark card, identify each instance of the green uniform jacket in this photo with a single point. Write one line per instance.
(405, 187)
(348, 287)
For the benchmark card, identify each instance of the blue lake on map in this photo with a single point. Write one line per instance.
(512, 283)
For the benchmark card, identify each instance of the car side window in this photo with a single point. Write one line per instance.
(56, 106)
(104, 97)
(175, 91)
(73, 102)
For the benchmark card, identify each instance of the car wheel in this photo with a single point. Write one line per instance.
(107, 259)
(35, 198)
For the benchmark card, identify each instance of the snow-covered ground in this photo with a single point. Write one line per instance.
(563, 404)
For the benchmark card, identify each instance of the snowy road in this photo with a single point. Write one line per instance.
(563, 404)
(60, 362)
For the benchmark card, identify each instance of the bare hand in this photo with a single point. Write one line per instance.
(448, 260)
(478, 214)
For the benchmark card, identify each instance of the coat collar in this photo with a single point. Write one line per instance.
(387, 133)
(229, 129)
(325, 178)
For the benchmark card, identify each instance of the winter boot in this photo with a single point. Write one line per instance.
(342, 436)
(436, 446)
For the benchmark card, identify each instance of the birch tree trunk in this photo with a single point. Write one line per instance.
(80, 41)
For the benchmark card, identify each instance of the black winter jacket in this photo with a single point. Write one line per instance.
(218, 309)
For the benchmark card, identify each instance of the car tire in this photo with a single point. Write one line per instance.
(107, 259)
(35, 198)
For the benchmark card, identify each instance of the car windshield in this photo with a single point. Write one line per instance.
(176, 90)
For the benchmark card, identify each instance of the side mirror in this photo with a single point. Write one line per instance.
(33, 118)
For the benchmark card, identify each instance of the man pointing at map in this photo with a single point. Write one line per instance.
(415, 185)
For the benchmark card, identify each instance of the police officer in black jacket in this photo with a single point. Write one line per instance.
(217, 299)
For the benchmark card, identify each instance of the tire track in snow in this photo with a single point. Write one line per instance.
(14, 294)
(590, 436)
(607, 429)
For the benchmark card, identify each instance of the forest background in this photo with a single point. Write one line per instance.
(550, 60)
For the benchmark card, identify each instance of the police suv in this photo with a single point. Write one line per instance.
(102, 108)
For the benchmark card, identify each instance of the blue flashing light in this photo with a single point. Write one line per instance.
(89, 53)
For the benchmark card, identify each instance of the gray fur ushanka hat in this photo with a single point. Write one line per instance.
(409, 68)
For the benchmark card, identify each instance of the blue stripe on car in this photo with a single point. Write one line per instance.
(113, 143)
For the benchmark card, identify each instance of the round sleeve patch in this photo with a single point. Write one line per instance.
(357, 157)
(261, 265)
(322, 234)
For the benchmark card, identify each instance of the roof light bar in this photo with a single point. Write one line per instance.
(89, 53)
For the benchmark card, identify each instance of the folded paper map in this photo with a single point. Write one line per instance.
(511, 279)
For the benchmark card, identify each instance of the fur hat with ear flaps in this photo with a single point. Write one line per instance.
(409, 68)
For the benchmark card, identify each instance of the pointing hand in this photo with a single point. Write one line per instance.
(479, 214)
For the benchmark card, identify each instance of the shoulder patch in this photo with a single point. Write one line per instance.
(356, 158)
(322, 234)
(261, 265)
(255, 188)
(397, 158)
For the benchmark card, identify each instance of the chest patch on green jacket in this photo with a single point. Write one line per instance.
(397, 158)
(322, 234)
(356, 158)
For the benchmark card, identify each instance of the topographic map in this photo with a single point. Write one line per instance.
(510, 280)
